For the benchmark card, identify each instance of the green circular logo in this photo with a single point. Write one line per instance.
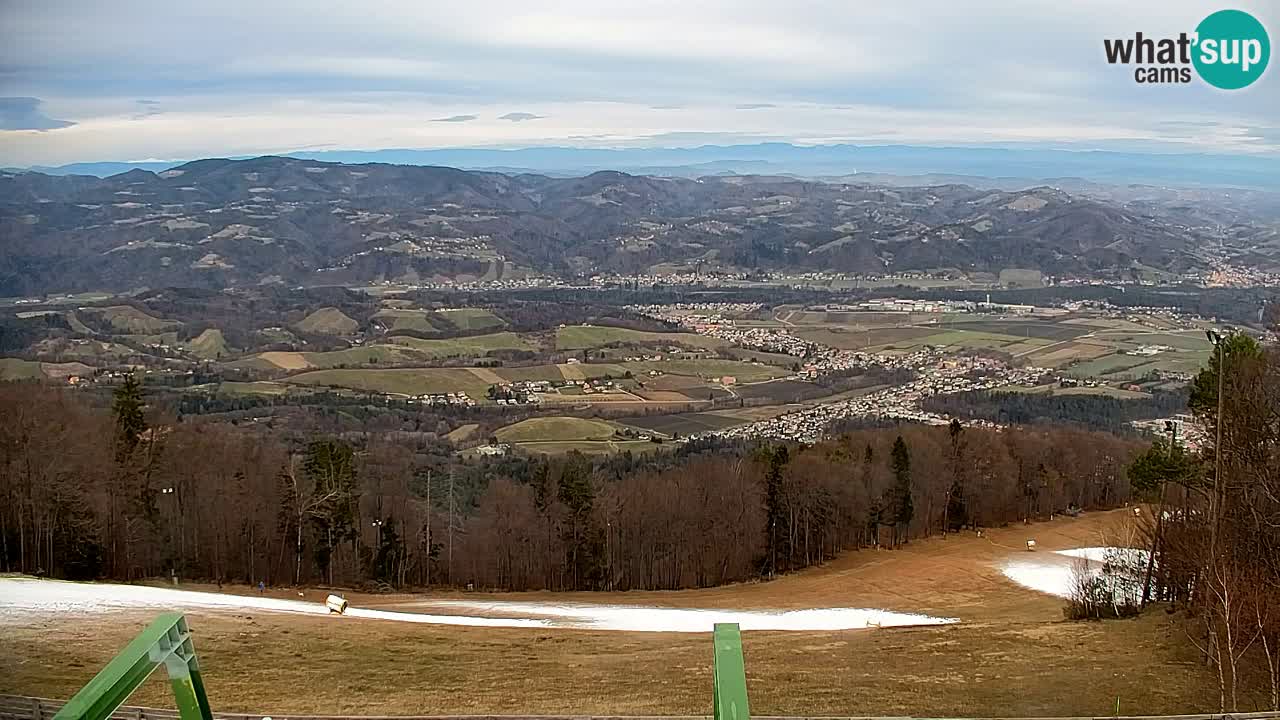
(1232, 49)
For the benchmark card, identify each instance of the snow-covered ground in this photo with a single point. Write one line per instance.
(22, 598)
(1054, 572)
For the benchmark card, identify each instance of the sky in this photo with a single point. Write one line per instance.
(86, 80)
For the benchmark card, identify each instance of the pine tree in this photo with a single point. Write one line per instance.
(128, 407)
(903, 508)
(775, 516)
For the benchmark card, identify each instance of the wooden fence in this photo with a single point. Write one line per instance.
(16, 707)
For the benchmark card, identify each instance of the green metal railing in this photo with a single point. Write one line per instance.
(167, 641)
(730, 674)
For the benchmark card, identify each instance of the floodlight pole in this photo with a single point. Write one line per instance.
(1215, 503)
(166, 641)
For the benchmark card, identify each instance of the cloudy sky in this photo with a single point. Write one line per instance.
(88, 80)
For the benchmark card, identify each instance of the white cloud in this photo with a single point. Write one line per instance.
(241, 76)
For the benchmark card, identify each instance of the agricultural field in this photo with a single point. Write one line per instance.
(581, 337)
(399, 381)
(397, 319)
(851, 339)
(17, 369)
(472, 319)
(681, 423)
(709, 368)
(474, 345)
(400, 350)
(557, 429)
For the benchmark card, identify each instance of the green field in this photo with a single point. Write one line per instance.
(474, 346)
(1105, 365)
(711, 368)
(579, 337)
(472, 319)
(400, 381)
(17, 369)
(396, 351)
(558, 429)
(398, 319)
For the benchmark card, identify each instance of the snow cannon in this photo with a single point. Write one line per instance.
(337, 605)
(1031, 546)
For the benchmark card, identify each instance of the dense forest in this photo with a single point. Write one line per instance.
(127, 491)
(1096, 412)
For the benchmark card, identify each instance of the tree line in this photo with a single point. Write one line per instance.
(127, 492)
(1215, 535)
(1096, 412)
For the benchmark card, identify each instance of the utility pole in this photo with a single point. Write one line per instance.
(1215, 502)
(450, 570)
(430, 510)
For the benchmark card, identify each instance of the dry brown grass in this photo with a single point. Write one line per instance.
(1011, 654)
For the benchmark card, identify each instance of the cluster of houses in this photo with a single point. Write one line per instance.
(460, 399)
(940, 376)
(530, 392)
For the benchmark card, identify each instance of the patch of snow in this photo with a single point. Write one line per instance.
(1054, 572)
(24, 597)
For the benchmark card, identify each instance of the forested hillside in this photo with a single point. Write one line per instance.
(127, 493)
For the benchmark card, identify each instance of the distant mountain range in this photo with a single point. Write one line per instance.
(273, 220)
(1205, 170)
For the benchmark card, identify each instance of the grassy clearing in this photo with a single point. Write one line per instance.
(462, 433)
(558, 429)
(130, 320)
(18, 369)
(472, 318)
(578, 337)
(209, 345)
(328, 321)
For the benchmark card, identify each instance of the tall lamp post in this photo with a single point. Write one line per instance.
(1215, 502)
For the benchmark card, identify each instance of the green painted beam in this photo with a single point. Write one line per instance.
(730, 674)
(166, 641)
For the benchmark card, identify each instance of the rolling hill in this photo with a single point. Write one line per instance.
(272, 220)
